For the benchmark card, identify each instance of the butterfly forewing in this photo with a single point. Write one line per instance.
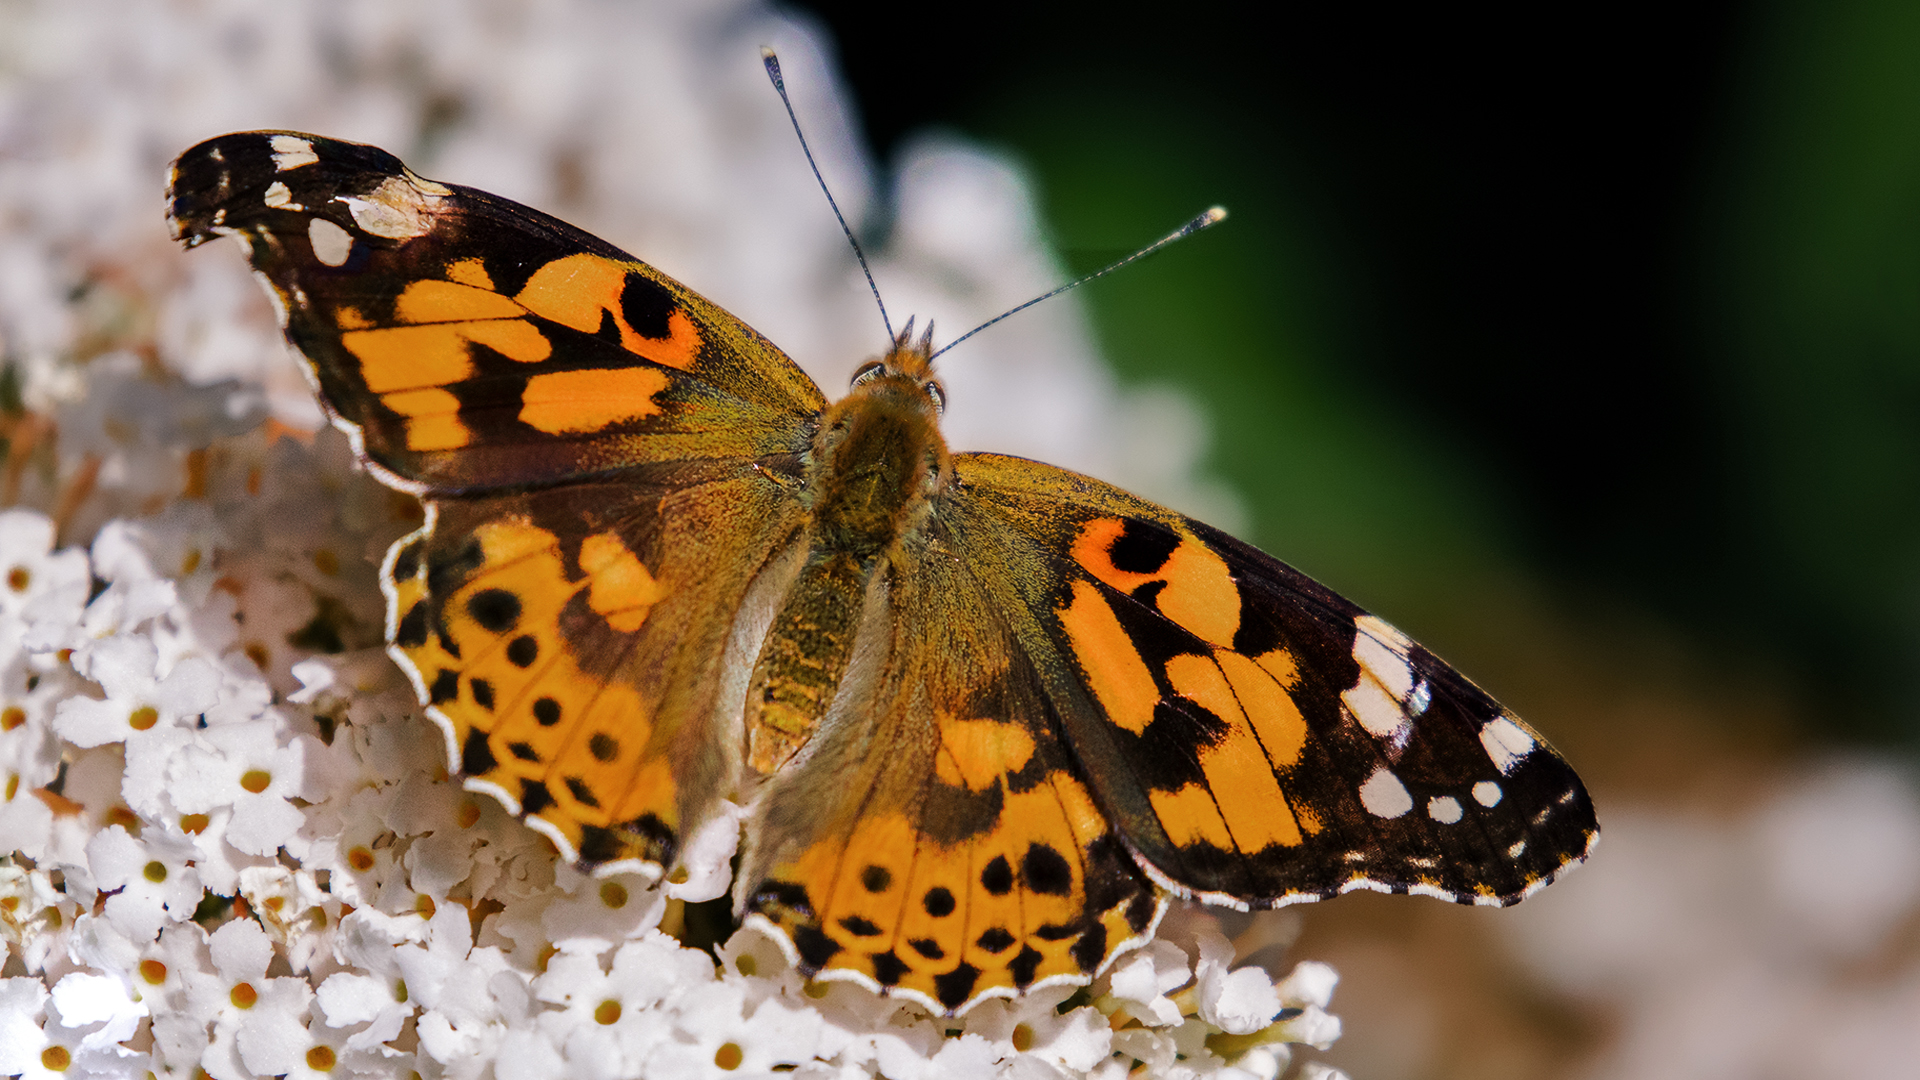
(471, 342)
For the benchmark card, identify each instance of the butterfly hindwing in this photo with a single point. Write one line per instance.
(938, 839)
(571, 642)
(1260, 740)
(472, 342)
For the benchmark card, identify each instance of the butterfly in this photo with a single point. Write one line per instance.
(988, 714)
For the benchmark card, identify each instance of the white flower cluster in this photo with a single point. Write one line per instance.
(229, 842)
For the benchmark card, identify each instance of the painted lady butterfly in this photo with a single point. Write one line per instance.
(988, 713)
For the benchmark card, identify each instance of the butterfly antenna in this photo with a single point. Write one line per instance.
(1212, 216)
(780, 87)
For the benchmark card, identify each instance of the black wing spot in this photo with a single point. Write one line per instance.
(609, 330)
(814, 946)
(956, 986)
(1142, 548)
(888, 967)
(445, 688)
(582, 793)
(1045, 871)
(446, 569)
(482, 693)
(534, 796)
(1140, 912)
(603, 746)
(928, 948)
(661, 843)
(523, 651)
(523, 751)
(546, 712)
(997, 878)
(646, 305)
(598, 843)
(1056, 932)
(876, 879)
(476, 757)
(787, 895)
(996, 940)
(496, 610)
(1024, 966)
(406, 564)
(860, 927)
(938, 902)
(1149, 594)
(1091, 948)
(411, 631)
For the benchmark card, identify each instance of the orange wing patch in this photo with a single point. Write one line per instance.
(1193, 585)
(1253, 805)
(975, 754)
(1119, 677)
(582, 402)
(588, 292)
(619, 587)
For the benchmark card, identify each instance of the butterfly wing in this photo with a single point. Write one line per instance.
(1260, 740)
(606, 459)
(937, 838)
(468, 342)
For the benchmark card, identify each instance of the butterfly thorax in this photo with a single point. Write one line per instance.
(876, 463)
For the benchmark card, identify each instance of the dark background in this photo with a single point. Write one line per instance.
(1621, 304)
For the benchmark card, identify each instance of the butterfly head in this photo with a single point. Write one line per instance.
(906, 372)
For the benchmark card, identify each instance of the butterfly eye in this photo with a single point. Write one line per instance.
(939, 395)
(867, 372)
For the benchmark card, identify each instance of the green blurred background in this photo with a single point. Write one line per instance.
(1616, 306)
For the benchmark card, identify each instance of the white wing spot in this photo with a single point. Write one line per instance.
(1487, 793)
(1384, 795)
(1378, 698)
(399, 209)
(1444, 809)
(1519, 848)
(1506, 743)
(1369, 703)
(291, 152)
(279, 197)
(1421, 697)
(331, 243)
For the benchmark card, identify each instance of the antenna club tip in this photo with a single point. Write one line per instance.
(1215, 215)
(766, 53)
